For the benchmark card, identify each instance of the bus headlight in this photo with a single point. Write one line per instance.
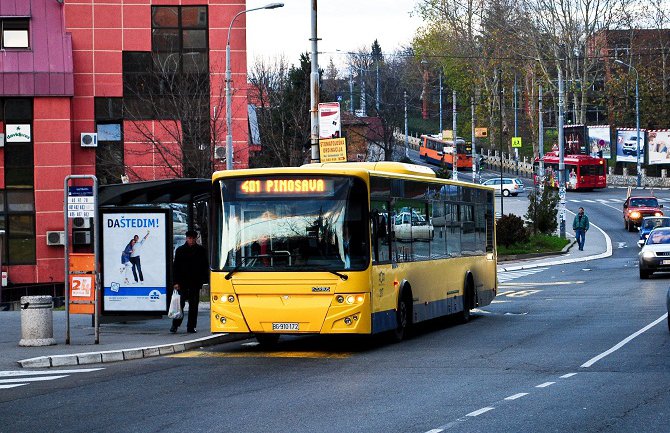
(350, 299)
(231, 298)
(340, 298)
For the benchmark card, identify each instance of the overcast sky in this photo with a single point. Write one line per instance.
(345, 25)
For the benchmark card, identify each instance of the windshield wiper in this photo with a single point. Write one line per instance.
(229, 275)
(342, 276)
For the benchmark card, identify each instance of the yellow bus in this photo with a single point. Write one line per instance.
(347, 248)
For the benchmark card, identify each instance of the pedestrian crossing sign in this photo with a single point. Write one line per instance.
(516, 141)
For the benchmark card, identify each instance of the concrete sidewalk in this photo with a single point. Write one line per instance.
(118, 341)
(596, 246)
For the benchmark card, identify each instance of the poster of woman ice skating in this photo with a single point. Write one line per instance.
(135, 260)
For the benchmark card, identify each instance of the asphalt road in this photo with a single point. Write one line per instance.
(537, 360)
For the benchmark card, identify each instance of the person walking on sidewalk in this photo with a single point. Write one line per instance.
(190, 272)
(580, 225)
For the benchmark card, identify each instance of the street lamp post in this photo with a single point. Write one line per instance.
(229, 116)
(637, 119)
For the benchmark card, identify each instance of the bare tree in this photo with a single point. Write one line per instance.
(169, 106)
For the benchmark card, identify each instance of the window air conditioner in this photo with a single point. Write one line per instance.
(81, 223)
(220, 152)
(56, 238)
(89, 139)
(81, 238)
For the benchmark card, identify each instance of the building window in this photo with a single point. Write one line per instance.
(15, 33)
(180, 30)
(109, 155)
(17, 200)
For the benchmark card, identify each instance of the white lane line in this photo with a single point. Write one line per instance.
(12, 373)
(480, 411)
(545, 384)
(32, 379)
(435, 430)
(623, 342)
(515, 396)
(565, 376)
(12, 386)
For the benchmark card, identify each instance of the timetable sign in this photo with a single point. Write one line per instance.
(80, 202)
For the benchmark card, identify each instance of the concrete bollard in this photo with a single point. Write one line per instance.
(37, 327)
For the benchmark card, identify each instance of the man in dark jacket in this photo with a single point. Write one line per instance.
(190, 271)
(580, 225)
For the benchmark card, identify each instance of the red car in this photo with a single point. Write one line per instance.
(636, 208)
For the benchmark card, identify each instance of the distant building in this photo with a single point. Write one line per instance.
(85, 67)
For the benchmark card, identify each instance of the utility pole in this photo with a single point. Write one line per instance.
(377, 95)
(440, 78)
(454, 165)
(516, 128)
(500, 140)
(351, 91)
(314, 87)
(406, 130)
(561, 161)
(363, 102)
(475, 162)
(540, 123)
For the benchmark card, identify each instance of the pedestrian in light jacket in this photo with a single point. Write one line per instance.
(580, 225)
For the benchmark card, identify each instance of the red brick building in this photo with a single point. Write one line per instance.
(85, 66)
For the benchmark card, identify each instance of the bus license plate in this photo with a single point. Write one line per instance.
(285, 327)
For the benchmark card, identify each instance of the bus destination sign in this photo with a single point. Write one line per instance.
(285, 187)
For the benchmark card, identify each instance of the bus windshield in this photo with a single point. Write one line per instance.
(289, 223)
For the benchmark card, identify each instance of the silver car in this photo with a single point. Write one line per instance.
(655, 253)
(508, 186)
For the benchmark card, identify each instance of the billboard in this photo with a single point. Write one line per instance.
(574, 138)
(330, 125)
(658, 144)
(136, 258)
(626, 143)
(600, 141)
(333, 150)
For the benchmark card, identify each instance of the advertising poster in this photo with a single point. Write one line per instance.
(658, 143)
(135, 260)
(329, 120)
(626, 143)
(333, 150)
(600, 141)
(575, 140)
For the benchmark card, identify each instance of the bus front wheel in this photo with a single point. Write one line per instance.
(403, 317)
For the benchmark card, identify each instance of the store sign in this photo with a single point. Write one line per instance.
(18, 134)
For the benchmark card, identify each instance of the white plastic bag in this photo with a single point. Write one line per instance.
(175, 306)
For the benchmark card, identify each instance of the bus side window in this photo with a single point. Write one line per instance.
(379, 232)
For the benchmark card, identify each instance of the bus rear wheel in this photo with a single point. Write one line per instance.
(468, 297)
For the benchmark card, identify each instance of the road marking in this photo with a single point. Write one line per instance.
(622, 245)
(480, 411)
(522, 293)
(11, 373)
(12, 386)
(552, 283)
(296, 354)
(565, 376)
(515, 396)
(435, 430)
(504, 276)
(32, 379)
(623, 342)
(545, 384)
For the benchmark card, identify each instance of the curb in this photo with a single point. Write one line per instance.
(127, 354)
(513, 257)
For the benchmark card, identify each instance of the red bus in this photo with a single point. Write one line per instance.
(441, 152)
(582, 172)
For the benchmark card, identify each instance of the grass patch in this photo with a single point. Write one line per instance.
(536, 244)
